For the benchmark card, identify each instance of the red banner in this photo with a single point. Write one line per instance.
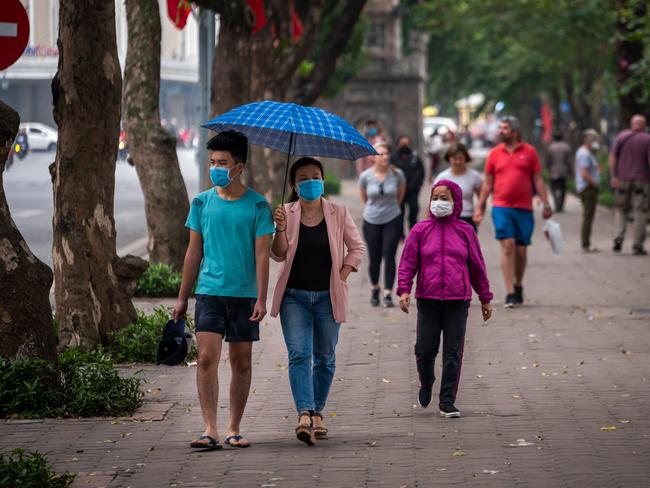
(259, 15)
(178, 11)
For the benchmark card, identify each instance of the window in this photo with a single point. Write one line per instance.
(376, 35)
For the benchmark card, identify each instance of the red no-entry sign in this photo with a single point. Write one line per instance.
(14, 32)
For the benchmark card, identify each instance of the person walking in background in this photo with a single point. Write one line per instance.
(469, 180)
(411, 165)
(511, 170)
(230, 233)
(311, 294)
(382, 190)
(374, 135)
(560, 167)
(444, 253)
(629, 170)
(587, 176)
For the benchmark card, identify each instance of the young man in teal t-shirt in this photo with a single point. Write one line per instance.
(230, 232)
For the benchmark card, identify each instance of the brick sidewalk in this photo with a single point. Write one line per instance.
(553, 394)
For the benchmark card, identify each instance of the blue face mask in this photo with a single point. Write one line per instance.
(371, 132)
(311, 190)
(220, 176)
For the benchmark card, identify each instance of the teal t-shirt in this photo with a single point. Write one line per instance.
(229, 229)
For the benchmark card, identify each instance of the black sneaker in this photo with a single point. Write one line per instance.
(424, 396)
(388, 301)
(519, 295)
(374, 297)
(511, 300)
(449, 411)
(639, 251)
(618, 245)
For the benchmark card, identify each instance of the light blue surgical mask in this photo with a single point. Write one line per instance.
(311, 190)
(220, 176)
(371, 132)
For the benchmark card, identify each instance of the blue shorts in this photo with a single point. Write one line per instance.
(227, 316)
(513, 223)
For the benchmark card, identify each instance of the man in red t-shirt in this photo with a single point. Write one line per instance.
(511, 170)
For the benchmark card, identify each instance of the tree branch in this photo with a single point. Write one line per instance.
(307, 90)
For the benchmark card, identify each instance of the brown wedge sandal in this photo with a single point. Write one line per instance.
(320, 431)
(304, 430)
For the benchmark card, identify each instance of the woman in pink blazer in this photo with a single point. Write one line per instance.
(311, 294)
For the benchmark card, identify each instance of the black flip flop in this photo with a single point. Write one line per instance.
(236, 438)
(212, 445)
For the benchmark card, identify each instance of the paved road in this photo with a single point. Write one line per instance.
(29, 193)
(553, 394)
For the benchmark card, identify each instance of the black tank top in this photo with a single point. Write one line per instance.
(312, 264)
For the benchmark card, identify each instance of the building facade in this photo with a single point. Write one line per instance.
(26, 85)
(391, 88)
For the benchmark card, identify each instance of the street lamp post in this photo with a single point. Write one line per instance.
(206, 54)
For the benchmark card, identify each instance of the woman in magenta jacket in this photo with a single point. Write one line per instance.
(445, 254)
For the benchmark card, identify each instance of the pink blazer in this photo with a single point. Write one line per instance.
(340, 231)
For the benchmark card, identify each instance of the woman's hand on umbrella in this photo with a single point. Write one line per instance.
(280, 218)
(404, 302)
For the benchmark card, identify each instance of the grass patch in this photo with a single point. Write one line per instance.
(82, 384)
(332, 183)
(137, 342)
(159, 280)
(26, 469)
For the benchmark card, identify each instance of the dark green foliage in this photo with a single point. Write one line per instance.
(26, 469)
(137, 342)
(160, 280)
(29, 388)
(332, 184)
(93, 386)
(86, 384)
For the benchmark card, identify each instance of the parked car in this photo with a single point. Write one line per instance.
(41, 137)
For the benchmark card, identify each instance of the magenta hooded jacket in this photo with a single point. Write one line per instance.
(445, 255)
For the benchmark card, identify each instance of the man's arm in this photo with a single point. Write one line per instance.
(541, 192)
(486, 189)
(191, 265)
(262, 244)
(613, 180)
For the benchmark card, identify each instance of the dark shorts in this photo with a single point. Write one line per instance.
(227, 316)
(513, 223)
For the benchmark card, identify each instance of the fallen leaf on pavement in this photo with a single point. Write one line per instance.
(457, 453)
(385, 380)
(624, 421)
(479, 376)
(490, 471)
(441, 469)
(608, 427)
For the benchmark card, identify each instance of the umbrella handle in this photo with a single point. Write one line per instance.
(286, 169)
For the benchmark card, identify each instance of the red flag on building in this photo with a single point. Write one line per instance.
(178, 11)
(259, 15)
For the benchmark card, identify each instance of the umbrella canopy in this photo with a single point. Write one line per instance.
(294, 130)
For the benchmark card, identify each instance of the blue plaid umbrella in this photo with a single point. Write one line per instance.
(294, 130)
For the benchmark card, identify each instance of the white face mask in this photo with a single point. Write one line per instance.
(595, 146)
(441, 208)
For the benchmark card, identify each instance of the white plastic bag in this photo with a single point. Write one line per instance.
(553, 233)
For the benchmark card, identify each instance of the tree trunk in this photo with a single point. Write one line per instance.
(152, 148)
(93, 285)
(26, 327)
(629, 49)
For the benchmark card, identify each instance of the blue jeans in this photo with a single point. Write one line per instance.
(310, 333)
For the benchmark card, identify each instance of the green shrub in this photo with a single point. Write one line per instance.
(160, 280)
(93, 388)
(332, 183)
(25, 469)
(29, 388)
(138, 342)
(85, 385)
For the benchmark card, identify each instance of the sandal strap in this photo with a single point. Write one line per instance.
(318, 414)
